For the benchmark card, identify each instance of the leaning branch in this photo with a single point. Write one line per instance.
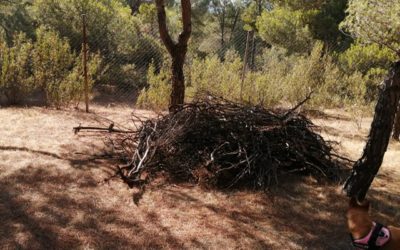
(162, 25)
(290, 111)
(186, 22)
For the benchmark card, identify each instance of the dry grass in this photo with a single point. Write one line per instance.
(53, 195)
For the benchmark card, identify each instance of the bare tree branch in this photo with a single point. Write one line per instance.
(162, 25)
(186, 21)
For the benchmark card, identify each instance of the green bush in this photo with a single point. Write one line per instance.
(52, 63)
(371, 60)
(156, 95)
(285, 28)
(15, 66)
(366, 58)
(211, 74)
(305, 74)
(58, 71)
(338, 88)
(283, 79)
(73, 86)
(126, 50)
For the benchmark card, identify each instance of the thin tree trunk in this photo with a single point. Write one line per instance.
(234, 24)
(222, 25)
(176, 50)
(368, 165)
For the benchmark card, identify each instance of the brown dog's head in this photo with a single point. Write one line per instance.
(358, 219)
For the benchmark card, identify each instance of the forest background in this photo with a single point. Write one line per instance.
(261, 52)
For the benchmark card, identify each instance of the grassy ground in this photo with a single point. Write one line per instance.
(53, 194)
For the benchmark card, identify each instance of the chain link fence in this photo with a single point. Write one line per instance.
(122, 79)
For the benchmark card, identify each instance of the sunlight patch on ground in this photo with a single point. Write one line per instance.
(53, 197)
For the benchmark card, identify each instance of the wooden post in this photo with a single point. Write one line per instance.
(246, 52)
(85, 74)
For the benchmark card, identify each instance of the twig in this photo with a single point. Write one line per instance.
(236, 145)
(290, 111)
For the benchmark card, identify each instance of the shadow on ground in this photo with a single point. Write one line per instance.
(61, 201)
(46, 208)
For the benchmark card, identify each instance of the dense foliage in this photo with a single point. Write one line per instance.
(265, 52)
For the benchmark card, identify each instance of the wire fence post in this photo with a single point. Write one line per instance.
(246, 52)
(84, 50)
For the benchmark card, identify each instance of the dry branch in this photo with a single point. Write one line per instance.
(226, 144)
(109, 129)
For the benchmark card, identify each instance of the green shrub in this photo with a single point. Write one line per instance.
(371, 60)
(338, 88)
(213, 75)
(73, 87)
(126, 49)
(283, 79)
(305, 74)
(285, 28)
(15, 79)
(366, 58)
(52, 63)
(156, 95)
(58, 71)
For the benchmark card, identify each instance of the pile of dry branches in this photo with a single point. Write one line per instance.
(226, 144)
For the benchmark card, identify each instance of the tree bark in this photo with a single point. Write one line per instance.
(178, 80)
(176, 50)
(365, 169)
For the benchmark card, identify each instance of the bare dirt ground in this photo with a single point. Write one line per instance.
(53, 194)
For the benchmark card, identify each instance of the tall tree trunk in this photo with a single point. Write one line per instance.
(368, 165)
(222, 25)
(176, 50)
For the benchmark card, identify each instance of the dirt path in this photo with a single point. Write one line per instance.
(52, 195)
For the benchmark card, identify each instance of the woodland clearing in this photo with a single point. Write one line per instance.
(53, 193)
